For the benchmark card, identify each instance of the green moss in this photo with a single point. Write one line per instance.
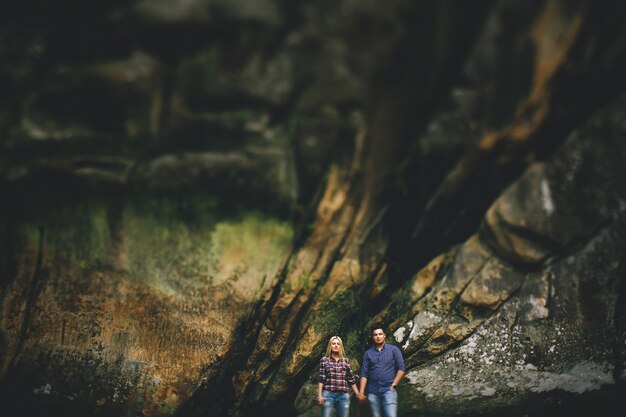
(170, 246)
(169, 243)
(304, 281)
(31, 234)
(354, 348)
(338, 313)
(286, 287)
(250, 249)
(75, 235)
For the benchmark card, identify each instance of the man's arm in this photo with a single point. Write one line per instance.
(400, 367)
(362, 383)
(363, 380)
(399, 375)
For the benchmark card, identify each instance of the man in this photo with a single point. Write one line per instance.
(381, 371)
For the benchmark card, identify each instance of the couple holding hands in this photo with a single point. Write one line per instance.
(381, 371)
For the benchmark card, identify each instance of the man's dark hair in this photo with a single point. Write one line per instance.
(377, 326)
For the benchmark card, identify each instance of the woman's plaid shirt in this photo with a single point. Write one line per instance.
(336, 375)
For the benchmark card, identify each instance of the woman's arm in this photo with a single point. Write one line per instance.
(320, 385)
(350, 378)
(320, 397)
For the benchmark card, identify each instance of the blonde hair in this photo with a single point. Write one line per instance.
(342, 353)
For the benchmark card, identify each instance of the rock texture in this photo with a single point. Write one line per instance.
(198, 194)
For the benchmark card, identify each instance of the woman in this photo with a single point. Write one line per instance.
(335, 379)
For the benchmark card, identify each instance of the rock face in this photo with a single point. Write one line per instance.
(199, 194)
(516, 317)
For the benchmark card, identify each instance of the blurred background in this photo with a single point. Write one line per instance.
(196, 194)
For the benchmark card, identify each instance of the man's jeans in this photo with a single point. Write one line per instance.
(385, 404)
(340, 401)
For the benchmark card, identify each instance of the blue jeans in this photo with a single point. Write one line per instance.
(385, 404)
(340, 401)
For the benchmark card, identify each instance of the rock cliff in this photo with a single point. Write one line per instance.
(198, 194)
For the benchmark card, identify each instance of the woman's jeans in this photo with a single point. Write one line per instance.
(385, 404)
(340, 401)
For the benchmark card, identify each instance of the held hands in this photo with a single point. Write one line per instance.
(361, 397)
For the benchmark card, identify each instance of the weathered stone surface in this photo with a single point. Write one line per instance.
(538, 353)
(90, 314)
(544, 345)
